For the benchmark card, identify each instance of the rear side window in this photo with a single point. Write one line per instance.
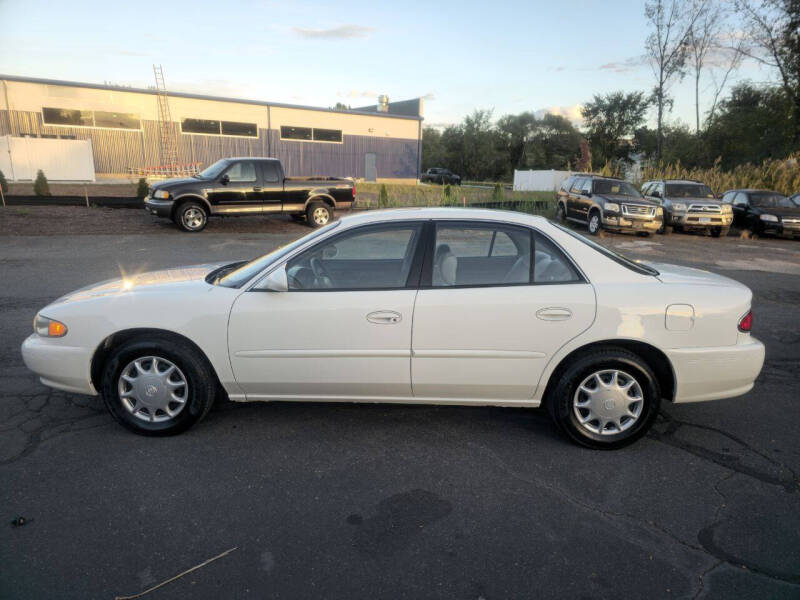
(271, 171)
(576, 185)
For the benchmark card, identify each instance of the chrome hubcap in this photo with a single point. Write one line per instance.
(193, 218)
(320, 215)
(608, 402)
(594, 223)
(152, 389)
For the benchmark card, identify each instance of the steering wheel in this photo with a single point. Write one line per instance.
(321, 275)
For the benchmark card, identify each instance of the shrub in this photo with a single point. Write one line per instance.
(3, 183)
(141, 189)
(40, 186)
(497, 193)
(383, 197)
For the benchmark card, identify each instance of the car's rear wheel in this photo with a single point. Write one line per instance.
(191, 216)
(157, 386)
(561, 214)
(605, 399)
(319, 214)
(594, 224)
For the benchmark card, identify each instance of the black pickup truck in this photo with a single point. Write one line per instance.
(442, 176)
(248, 186)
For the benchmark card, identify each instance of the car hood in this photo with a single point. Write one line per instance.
(669, 273)
(153, 281)
(627, 199)
(175, 182)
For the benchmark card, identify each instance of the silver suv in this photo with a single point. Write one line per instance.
(689, 206)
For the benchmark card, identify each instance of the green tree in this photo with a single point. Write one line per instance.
(612, 119)
(383, 197)
(516, 133)
(433, 152)
(556, 143)
(40, 185)
(3, 183)
(141, 189)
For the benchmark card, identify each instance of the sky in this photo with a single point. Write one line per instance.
(508, 57)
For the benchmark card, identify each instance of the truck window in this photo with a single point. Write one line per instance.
(244, 171)
(271, 171)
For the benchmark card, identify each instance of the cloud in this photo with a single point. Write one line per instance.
(624, 66)
(572, 113)
(342, 32)
(358, 94)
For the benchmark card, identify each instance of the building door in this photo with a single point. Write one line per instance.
(370, 167)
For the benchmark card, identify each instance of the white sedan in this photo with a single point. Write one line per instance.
(440, 306)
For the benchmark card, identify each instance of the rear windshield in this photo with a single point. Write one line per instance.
(633, 265)
(689, 190)
(770, 200)
(621, 188)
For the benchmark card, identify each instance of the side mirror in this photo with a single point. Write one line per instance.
(587, 194)
(275, 281)
(656, 194)
(225, 179)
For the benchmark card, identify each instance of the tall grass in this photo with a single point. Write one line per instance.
(368, 196)
(779, 175)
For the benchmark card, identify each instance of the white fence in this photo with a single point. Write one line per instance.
(539, 181)
(61, 160)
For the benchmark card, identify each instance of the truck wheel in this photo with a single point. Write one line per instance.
(319, 214)
(594, 222)
(191, 216)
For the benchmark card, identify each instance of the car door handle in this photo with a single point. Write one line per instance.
(554, 314)
(384, 317)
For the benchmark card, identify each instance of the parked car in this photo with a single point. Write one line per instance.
(248, 186)
(508, 309)
(689, 206)
(606, 203)
(763, 211)
(441, 176)
(795, 199)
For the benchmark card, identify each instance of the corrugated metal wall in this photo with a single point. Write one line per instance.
(117, 150)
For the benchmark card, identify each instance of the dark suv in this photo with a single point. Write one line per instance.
(689, 206)
(439, 175)
(607, 203)
(763, 211)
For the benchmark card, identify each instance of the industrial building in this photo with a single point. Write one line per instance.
(129, 131)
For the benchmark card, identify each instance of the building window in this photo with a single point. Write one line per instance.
(327, 135)
(49, 136)
(200, 126)
(66, 116)
(295, 133)
(307, 134)
(115, 120)
(243, 129)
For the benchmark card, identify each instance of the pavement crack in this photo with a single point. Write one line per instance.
(702, 579)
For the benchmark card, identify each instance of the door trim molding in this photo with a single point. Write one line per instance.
(346, 353)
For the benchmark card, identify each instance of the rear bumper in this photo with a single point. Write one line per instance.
(716, 373)
(57, 365)
(159, 208)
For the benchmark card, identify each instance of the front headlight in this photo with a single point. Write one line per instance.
(770, 218)
(49, 327)
(659, 211)
(678, 206)
(611, 206)
(727, 208)
(164, 194)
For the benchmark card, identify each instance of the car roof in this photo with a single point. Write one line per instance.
(753, 190)
(447, 213)
(596, 176)
(695, 181)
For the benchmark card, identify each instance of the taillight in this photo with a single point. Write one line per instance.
(746, 322)
(354, 193)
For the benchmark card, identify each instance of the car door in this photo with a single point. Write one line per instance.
(238, 189)
(487, 318)
(271, 192)
(343, 328)
(573, 200)
(585, 199)
(741, 209)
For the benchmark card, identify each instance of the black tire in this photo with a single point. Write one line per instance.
(200, 384)
(643, 233)
(561, 214)
(315, 212)
(191, 216)
(663, 229)
(560, 401)
(716, 231)
(595, 223)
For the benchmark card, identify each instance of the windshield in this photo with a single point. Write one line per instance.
(621, 188)
(770, 200)
(247, 271)
(615, 256)
(689, 190)
(214, 170)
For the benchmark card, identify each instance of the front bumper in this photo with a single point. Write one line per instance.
(781, 228)
(701, 220)
(58, 365)
(716, 373)
(625, 222)
(157, 207)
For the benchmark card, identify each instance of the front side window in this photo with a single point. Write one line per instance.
(740, 199)
(586, 186)
(367, 258)
(244, 171)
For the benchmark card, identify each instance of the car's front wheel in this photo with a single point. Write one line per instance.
(594, 224)
(191, 216)
(157, 386)
(605, 399)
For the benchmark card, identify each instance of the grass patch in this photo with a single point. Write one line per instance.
(398, 195)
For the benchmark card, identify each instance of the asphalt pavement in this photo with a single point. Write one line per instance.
(374, 501)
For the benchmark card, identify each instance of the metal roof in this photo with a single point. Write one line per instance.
(113, 88)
